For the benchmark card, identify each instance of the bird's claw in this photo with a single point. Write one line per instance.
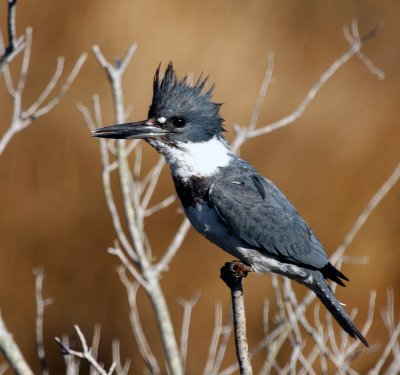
(239, 269)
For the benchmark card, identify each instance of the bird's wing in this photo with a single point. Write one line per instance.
(259, 213)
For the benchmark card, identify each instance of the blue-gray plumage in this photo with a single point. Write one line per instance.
(226, 199)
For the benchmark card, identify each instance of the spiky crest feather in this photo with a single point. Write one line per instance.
(172, 96)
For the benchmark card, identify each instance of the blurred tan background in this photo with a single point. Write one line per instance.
(329, 163)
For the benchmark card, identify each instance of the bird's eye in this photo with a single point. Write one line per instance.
(178, 121)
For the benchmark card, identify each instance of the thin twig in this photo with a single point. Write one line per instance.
(355, 47)
(11, 351)
(222, 346)
(155, 174)
(106, 179)
(143, 344)
(392, 342)
(95, 346)
(116, 250)
(71, 363)
(15, 45)
(33, 114)
(160, 206)
(48, 89)
(22, 119)
(353, 37)
(176, 243)
(365, 214)
(116, 355)
(86, 353)
(187, 313)
(212, 350)
(388, 319)
(241, 134)
(40, 306)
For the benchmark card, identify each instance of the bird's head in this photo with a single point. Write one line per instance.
(179, 113)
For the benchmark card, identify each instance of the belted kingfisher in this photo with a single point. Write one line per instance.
(225, 198)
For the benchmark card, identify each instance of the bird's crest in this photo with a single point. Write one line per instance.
(170, 83)
(173, 96)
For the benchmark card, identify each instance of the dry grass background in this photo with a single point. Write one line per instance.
(329, 163)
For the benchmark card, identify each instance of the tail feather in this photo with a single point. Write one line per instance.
(332, 273)
(325, 294)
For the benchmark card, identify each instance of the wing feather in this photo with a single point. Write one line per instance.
(260, 214)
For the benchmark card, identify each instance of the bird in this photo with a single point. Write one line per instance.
(225, 198)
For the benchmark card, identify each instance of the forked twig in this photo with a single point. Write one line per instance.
(86, 353)
(187, 312)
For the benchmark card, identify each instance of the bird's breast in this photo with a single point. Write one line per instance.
(206, 221)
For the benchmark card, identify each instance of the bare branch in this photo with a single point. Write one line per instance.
(21, 119)
(232, 274)
(160, 206)
(187, 312)
(15, 45)
(353, 37)
(143, 344)
(241, 134)
(223, 335)
(107, 187)
(388, 319)
(71, 363)
(355, 47)
(116, 355)
(353, 350)
(392, 342)
(86, 353)
(134, 216)
(116, 250)
(128, 57)
(214, 340)
(33, 114)
(8, 81)
(155, 174)
(365, 214)
(40, 306)
(114, 74)
(95, 346)
(11, 351)
(283, 329)
(176, 243)
(25, 61)
(49, 88)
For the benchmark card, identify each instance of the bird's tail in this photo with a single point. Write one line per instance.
(325, 294)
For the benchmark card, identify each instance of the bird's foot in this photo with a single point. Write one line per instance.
(239, 269)
(233, 272)
(236, 269)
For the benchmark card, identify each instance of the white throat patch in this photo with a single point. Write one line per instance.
(197, 159)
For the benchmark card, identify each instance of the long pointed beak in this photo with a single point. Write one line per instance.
(131, 130)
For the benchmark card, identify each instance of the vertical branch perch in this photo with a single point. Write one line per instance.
(133, 211)
(232, 274)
